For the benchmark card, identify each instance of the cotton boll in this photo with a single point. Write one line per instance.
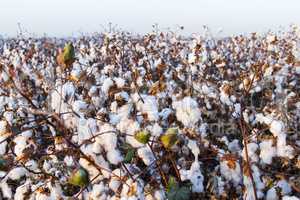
(260, 186)
(231, 174)
(237, 110)
(114, 156)
(109, 139)
(106, 85)
(234, 146)
(26, 134)
(159, 195)
(276, 127)
(284, 150)
(79, 107)
(97, 190)
(21, 144)
(3, 127)
(290, 198)
(156, 130)
(84, 131)
(21, 191)
(194, 175)
(93, 171)
(114, 185)
(6, 190)
(249, 193)
(267, 151)
(225, 99)
(32, 165)
(272, 194)
(285, 187)
(164, 114)
(187, 111)
(263, 119)
(9, 116)
(3, 145)
(149, 106)
(69, 161)
(192, 144)
(252, 148)
(120, 82)
(146, 155)
(132, 128)
(16, 173)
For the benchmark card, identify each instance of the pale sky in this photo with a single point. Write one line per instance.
(67, 17)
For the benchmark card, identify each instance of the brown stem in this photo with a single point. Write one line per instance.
(158, 165)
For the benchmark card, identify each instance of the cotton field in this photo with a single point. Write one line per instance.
(157, 116)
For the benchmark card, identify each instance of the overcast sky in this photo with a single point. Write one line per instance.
(67, 17)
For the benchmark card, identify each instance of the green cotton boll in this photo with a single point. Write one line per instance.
(79, 177)
(170, 138)
(68, 53)
(142, 137)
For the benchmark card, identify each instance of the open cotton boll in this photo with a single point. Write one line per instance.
(93, 171)
(108, 82)
(3, 127)
(249, 193)
(21, 144)
(237, 110)
(225, 98)
(121, 114)
(272, 194)
(284, 150)
(263, 119)
(276, 127)
(187, 111)
(21, 191)
(231, 174)
(32, 165)
(108, 139)
(234, 146)
(252, 148)
(3, 145)
(16, 173)
(56, 190)
(79, 107)
(62, 93)
(131, 129)
(156, 130)
(114, 185)
(149, 106)
(192, 145)
(97, 191)
(146, 155)
(6, 190)
(83, 129)
(260, 186)
(267, 151)
(120, 82)
(164, 114)
(159, 195)
(290, 198)
(9, 117)
(285, 187)
(114, 156)
(194, 175)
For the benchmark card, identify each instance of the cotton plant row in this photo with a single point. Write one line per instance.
(155, 116)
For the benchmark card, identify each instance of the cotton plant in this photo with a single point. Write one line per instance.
(156, 116)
